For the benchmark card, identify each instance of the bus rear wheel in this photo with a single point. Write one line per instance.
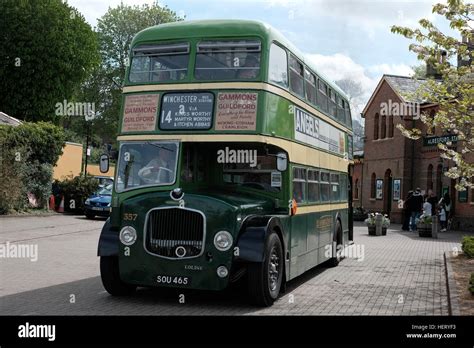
(110, 275)
(335, 259)
(265, 278)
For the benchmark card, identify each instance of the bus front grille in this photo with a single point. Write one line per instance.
(175, 232)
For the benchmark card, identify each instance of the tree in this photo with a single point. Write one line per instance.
(419, 71)
(115, 32)
(354, 91)
(48, 49)
(454, 93)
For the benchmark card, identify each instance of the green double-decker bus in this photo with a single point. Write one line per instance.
(234, 163)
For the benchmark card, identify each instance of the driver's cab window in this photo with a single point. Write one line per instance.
(146, 164)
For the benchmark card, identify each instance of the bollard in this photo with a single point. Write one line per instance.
(378, 224)
(434, 226)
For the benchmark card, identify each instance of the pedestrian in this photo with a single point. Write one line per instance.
(433, 200)
(427, 207)
(416, 206)
(406, 213)
(442, 217)
(446, 201)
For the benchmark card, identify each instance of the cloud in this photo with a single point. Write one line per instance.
(368, 16)
(340, 66)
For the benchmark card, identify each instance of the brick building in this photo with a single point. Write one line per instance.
(392, 164)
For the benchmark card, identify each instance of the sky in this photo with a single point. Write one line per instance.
(344, 38)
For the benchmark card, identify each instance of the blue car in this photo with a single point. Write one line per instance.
(99, 203)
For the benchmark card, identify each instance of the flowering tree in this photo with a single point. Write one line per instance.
(453, 91)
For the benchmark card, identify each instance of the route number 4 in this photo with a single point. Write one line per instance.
(167, 118)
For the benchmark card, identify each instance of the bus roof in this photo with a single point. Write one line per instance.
(225, 28)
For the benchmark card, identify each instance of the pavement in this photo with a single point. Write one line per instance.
(397, 274)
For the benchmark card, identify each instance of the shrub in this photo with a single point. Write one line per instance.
(29, 152)
(76, 191)
(471, 284)
(12, 176)
(468, 246)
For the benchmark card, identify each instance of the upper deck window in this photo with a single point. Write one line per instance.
(159, 63)
(278, 67)
(228, 60)
(296, 76)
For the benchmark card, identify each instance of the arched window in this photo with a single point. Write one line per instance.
(439, 180)
(372, 186)
(383, 130)
(356, 189)
(376, 126)
(432, 130)
(390, 126)
(429, 178)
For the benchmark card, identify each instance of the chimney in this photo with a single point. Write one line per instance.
(431, 71)
(470, 45)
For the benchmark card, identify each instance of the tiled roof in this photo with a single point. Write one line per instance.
(404, 86)
(8, 120)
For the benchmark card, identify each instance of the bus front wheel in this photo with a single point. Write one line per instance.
(109, 273)
(265, 278)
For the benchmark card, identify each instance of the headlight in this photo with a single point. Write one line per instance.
(128, 235)
(223, 240)
(88, 201)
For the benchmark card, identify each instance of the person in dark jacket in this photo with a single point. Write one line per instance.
(416, 207)
(433, 200)
(406, 212)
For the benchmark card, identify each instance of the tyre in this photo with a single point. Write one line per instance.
(334, 261)
(109, 273)
(90, 215)
(265, 278)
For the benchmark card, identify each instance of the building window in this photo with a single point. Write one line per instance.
(439, 180)
(376, 126)
(429, 178)
(356, 189)
(390, 126)
(372, 186)
(432, 130)
(472, 192)
(383, 130)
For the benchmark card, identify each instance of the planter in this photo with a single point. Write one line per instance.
(424, 230)
(372, 231)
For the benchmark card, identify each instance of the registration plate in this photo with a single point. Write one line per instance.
(98, 208)
(173, 280)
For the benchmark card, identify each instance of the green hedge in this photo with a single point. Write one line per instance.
(471, 284)
(468, 246)
(28, 155)
(75, 191)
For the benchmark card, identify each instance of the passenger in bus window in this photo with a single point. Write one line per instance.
(250, 68)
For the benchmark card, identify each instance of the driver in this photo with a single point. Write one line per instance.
(158, 171)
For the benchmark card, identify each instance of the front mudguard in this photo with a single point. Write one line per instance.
(108, 241)
(252, 237)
